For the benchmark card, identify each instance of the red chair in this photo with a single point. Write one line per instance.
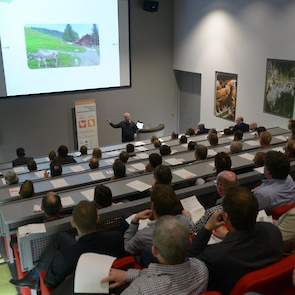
(279, 211)
(20, 273)
(121, 263)
(275, 279)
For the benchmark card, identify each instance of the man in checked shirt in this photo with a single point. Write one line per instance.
(175, 274)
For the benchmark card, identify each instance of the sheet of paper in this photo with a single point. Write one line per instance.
(141, 149)
(247, 156)
(278, 149)
(37, 208)
(60, 182)
(260, 170)
(91, 269)
(184, 174)
(14, 191)
(281, 137)
(192, 205)
(138, 166)
(211, 153)
(185, 145)
(98, 175)
(109, 172)
(263, 217)
(139, 185)
(67, 202)
(142, 155)
(77, 168)
(113, 154)
(138, 143)
(77, 154)
(88, 194)
(36, 228)
(20, 169)
(131, 169)
(142, 223)
(174, 161)
(252, 142)
(39, 174)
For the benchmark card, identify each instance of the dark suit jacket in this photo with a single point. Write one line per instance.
(243, 127)
(21, 161)
(238, 254)
(64, 262)
(128, 130)
(67, 160)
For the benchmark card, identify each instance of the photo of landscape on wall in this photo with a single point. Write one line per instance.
(62, 45)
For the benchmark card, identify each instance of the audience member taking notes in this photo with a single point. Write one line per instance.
(21, 158)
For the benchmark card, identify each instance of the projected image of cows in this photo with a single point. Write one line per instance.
(59, 46)
(280, 88)
(226, 95)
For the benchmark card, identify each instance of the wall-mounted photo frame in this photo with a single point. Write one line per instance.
(279, 88)
(226, 85)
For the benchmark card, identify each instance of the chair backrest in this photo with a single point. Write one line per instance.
(274, 279)
(279, 211)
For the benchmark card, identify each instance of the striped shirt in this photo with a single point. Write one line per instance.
(188, 278)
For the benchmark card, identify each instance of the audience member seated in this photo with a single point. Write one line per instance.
(247, 247)
(213, 139)
(190, 132)
(157, 144)
(94, 163)
(52, 156)
(55, 169)
(236, 147)
(227, 132)
(32, 165)
(191, 146)
(162, 175)
(212, 131)
(201, 129)
(238, 135)
(259, 159)
(265, 139)
(130, 149)
(222, 162)
(201, 152)
(154, 161)
(153, 139)
(183, 139)
(165, 150)
(51, 206)
(278, 188)
(253, 127)
(291, 127)
(97, 153)
(10, 178)
(26, 190)
(224, 181)
(173, 273)
(163, 202)
(119, 169)
(124, 157)
(21, 158)
(103, 198)
(174, 135)
(260, 129)
(240, 125)
(62, 254)
(290, 149)
(63, 157)
(83, 150)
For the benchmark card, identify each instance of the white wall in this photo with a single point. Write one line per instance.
(237, 37)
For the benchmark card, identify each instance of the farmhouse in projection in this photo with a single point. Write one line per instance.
(59, 46)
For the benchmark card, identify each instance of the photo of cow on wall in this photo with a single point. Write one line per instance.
(226, 95)
(280, 87)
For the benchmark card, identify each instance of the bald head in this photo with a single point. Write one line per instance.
(226, 180)
(239, 120)
(51, 204)
(127, 116)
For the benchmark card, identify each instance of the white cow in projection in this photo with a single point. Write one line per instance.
(44, 56)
